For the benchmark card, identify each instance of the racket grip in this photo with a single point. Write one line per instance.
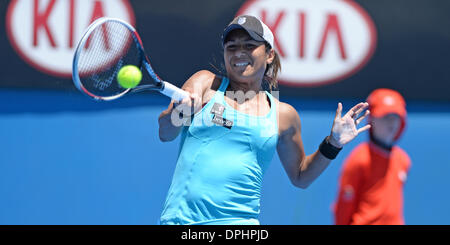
(173, 92)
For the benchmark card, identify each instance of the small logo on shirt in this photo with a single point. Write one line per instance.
(217, 109)
(402, 176)
(349, 193)
(218, 120)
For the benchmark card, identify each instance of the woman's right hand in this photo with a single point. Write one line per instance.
(179, 113)
(188, 106)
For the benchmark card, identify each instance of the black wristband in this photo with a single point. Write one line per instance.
(328, 150)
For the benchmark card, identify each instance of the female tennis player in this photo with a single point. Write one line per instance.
(236, 126)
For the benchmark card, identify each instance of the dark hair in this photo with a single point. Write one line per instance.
(272, 70)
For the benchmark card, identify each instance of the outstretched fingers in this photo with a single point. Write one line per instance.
(339, 111)
(357, 109)
(367, 127)
(359, 120)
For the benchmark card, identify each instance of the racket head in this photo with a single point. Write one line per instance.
(107, 45)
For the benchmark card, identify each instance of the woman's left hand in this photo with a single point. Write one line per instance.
(344, 127)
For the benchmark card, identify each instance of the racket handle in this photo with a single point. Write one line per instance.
(173, 92)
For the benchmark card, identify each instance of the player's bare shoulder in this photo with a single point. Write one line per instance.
(288, 118)
(203, 83)
(199, 81)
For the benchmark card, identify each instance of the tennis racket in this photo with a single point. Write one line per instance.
(107, 45)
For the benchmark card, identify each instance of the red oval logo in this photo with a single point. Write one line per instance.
(45, 32)
(319, 42)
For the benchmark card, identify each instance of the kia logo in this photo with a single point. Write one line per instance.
(45, 32)
(319, 42)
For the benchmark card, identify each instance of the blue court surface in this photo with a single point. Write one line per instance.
(65, 159)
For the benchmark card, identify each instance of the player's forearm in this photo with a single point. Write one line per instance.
(311, 168)
(168, 131)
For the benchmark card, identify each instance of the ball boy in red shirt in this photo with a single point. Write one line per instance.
(371, 183)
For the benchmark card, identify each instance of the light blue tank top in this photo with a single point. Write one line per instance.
(220, 167)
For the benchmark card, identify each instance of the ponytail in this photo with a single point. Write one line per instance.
(271, 73)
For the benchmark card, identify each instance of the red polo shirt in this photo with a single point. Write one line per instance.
(371, 187)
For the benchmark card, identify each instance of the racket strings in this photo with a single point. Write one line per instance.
(109, 47)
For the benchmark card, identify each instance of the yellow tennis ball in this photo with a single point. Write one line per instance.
(129, 76)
